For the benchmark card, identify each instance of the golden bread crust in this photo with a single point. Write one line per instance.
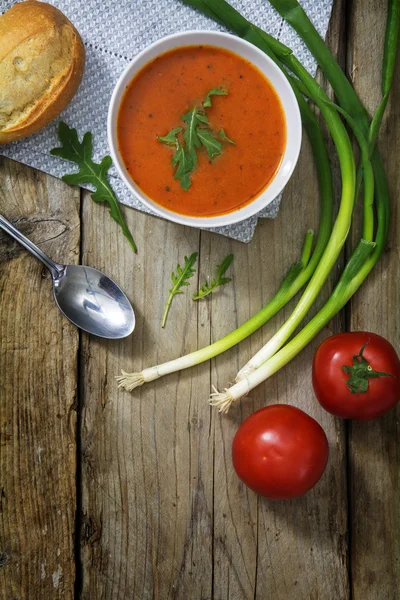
(41, 66)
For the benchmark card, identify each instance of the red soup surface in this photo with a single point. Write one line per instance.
(250, 114)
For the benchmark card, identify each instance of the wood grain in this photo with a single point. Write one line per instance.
(147, 457)
(38, 377)
(375, 447)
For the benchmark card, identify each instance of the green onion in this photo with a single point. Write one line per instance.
(273, 345)
(363, 259)
(368, 230)
(389, 60)
(297, 276)
(366, 253)
(294, 14)
(347, 97)
(347, 167)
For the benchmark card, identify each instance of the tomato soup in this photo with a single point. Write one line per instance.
(250, 114)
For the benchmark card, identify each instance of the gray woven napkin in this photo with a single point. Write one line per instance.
(113, 32)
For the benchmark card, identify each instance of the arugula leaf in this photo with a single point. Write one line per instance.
(183, 159)
(218, 281)
(190, 135)
(80, 153)
(179, 279)
(223, 136)
(212, 145)
(215, 92)
(202, 117)
(197, 133)
(170, 138)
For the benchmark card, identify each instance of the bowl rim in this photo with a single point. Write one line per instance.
(293, 134)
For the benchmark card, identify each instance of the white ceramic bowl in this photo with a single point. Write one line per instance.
(270, 71)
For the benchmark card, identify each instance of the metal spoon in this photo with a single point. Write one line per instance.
(87, 297)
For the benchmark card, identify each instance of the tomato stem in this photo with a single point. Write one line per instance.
(361, 372)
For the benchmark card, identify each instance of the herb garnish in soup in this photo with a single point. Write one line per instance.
(197, 134)
(201, 131)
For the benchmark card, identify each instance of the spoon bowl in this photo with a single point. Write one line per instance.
(93, 302)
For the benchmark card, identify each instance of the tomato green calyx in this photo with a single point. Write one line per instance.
(360, 373)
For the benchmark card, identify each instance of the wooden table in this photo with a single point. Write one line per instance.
(104, 495)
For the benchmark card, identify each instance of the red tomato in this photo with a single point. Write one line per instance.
(280, 452)
(356, 375)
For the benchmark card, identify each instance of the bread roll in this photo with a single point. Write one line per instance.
(41, 66)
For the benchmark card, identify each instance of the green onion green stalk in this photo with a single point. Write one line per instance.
(270, 347)
(388, 64)
(359, 265)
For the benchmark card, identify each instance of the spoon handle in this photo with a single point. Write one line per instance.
(19, 237)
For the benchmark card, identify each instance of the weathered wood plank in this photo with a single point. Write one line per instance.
(374, 447)
(147, 457)
(38, 380)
